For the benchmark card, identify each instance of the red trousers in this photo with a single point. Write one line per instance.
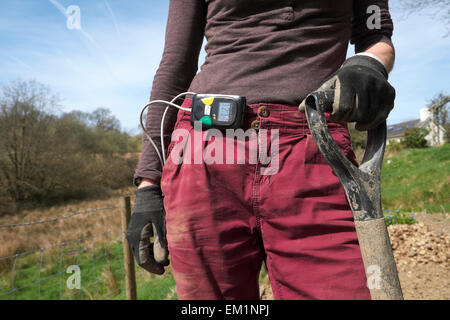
(225, 219)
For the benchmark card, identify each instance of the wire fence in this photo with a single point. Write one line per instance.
(73, 214)
(89, 267)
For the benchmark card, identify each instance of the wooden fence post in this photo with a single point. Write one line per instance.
(128, 258)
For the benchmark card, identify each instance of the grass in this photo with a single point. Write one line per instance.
(100, 261)
(101, 271)
(101, 274)
(398, 217)
(417, 180)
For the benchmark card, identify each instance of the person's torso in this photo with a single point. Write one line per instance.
(272, 50)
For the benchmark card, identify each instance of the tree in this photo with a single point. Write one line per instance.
(415, 138)
(423, 4)
(100, 118)
(24, 136)
(440, 8)
(80, 116)
(46, 157)
(439, 108)
(104, 120)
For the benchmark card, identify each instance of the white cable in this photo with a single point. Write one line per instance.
(162, 161)
(164, 117)
(145, 132)
(162, 133)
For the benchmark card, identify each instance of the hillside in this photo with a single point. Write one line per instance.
(417, 180)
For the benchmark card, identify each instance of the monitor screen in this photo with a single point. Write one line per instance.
(224, 111)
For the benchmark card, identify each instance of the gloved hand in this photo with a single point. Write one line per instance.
(362, 93)
(148, 220)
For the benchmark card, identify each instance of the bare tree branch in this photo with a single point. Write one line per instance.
(439, 9)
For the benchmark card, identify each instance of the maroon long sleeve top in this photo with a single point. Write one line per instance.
(266, 50)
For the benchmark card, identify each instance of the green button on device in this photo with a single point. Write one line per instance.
(206, 120)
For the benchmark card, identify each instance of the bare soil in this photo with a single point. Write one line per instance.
(422, 253)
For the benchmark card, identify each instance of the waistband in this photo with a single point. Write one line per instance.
(286, 118)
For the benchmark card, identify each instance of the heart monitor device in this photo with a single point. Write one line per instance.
(218, 111)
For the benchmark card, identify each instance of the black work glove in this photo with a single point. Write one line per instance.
(148, 220)
(362, 93)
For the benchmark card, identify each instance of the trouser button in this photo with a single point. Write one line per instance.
(255, 125)
(263, 111)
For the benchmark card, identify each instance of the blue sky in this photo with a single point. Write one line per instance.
(111, 61)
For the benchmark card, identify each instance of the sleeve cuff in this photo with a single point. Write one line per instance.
(155, 176)
(369, 41)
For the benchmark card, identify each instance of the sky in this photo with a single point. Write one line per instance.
(111, 59)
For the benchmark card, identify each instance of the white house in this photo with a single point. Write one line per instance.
(436, 133)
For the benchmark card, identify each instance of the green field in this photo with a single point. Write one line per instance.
(417, 180)
(102, 277)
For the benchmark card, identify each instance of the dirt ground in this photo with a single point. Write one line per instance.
(422, 253)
